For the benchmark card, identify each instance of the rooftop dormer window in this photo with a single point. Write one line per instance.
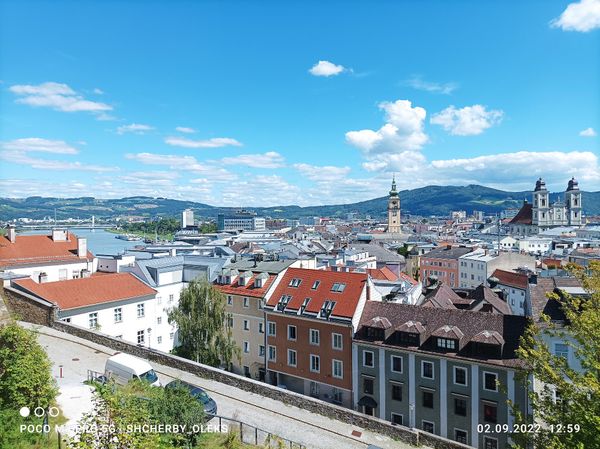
(375, 333)
(304, 305)
(446, 343)
(295, 282)
(409, 338)
(315, 285)
(327, 308)
(338, 287)
(283, 302)
(258, 283)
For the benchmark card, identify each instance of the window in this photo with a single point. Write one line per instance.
(261, 327)
(490, 443)
(271, 328)
(261, 351)
(368, 359)
(295, 283)
(396, 392)
(427, 399)
(171, 335)
(246, 371)
(315, 363)
(336, 341)
(561, 350)
(118, 312)
(246, 347)
(397, 419)
(337, 369)
(272, 353)
(409, 338)
(291, 357)
(460, 406)
(246, 302)
(141, 337)
(396, 364)
(230, 321)
(229, 300)
(446, 343)
(315, 285)
(93, 320)
(490, 412)
(314, 337)
(291, 332)
(460, 375)
(460, 436)
(171, 297)
(246, 325)
(159, 320)
(427, 370)
(62, 274)
(159, 340)
(338, 287)
(428, 426)
(140, 310)
(368, 385)
(314, 389)
(490, 381)
(337, 395)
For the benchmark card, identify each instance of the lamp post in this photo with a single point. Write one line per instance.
(149, 337)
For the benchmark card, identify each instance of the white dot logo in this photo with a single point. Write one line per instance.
(24, 412)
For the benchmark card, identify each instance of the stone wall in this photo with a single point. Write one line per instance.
(23, 306)
(412, 436)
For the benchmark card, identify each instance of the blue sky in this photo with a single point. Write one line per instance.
(263, 103)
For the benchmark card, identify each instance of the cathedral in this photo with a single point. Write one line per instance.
(542, 214)
(394, 210)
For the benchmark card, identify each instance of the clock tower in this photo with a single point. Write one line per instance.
(394, 210)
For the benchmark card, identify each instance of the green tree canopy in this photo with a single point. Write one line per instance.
(25, 370)
(203, 326)
(578, 401)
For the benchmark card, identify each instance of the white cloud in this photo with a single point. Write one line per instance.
(270, 159)
(324, 173)
(326, 68)
(18, 157)
(188, 163)
(183, 129)
(57, 96)
(416, 82)
(589, 132)
(467, 121)
(98, 91)
(134, 128)
(215, 142)
(582, 16)
(40, 145)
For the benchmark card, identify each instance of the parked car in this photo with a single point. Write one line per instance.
(124, 367)
(210, 406)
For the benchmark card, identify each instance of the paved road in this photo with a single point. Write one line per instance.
(77, 355)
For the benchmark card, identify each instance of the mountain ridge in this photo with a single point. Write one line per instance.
(429, 200)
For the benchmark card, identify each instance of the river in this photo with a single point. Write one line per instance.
(99, 241)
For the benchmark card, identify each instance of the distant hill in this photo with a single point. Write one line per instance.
(431, 200)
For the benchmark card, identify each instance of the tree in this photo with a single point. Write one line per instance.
(25, 370)
(565, 397)
(203, 325)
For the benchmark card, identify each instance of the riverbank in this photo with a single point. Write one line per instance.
(143, 235)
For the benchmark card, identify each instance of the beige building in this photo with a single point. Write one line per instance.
(246, 285)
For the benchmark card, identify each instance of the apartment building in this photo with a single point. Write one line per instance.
(477, 266)
(117, 304)
(441, 370)
(443, 264)
(311, 318)
(515, 289)
(58, 256)
(246, 285)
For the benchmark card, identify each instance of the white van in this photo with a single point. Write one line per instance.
(124, 367)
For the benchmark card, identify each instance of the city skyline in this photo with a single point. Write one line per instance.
(312, 104)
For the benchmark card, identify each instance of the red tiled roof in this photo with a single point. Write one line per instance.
(524, 216)
(383, 274)
(39, 249)
(518, 280)
(74, 293)
(246, 290)
(407, 278)
(346, 301)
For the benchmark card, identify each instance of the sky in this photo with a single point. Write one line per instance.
(239, 103)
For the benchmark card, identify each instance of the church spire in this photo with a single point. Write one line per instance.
(393, 192)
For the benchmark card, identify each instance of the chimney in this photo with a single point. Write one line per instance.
(59, 235)
(11, 233)
(81, 247)
(43, 277)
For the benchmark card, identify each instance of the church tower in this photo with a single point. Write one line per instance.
(394, 210)
(573, 200)
(541, 204)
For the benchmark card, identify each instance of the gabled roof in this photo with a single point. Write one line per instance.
(346, 301)
(510, 278)
(443, 297)
(524, 216)
(38, 250)
(483, 295)
(384, 274)
(379, 323)
(540, 303)
(97, 289)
